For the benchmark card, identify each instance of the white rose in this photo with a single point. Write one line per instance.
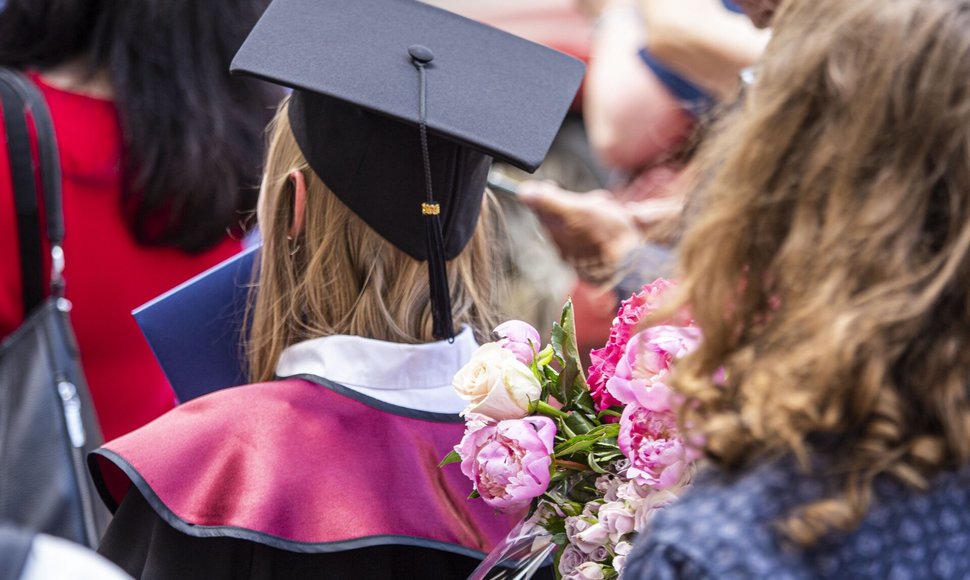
(496, 384)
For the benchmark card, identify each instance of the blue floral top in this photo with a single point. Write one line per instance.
(724, 527)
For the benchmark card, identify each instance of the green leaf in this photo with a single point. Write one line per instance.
(607, 457)
(609, 413)
(544, 357)
(564, 429)
(573, 445)
(578, 422)
(572, 381)
(452, 457)
(474, 494)
(594, 465)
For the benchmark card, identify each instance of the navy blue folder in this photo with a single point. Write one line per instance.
(196, 329)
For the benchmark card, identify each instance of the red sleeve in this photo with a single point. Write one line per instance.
(11, 310)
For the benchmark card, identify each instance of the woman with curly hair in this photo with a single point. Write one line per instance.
(829, 269)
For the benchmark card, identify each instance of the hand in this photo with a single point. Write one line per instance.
(593, 231)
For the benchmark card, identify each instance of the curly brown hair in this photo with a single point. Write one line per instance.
(829, 264)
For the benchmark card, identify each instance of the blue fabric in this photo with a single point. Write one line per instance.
(723, 527)
(692, 98)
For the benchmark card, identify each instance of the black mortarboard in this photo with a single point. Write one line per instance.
(400, 107)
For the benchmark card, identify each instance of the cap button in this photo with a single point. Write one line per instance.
(420, 54)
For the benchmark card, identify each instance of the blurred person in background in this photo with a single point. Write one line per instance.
(828, 268)
(160, 151)
(657, 69)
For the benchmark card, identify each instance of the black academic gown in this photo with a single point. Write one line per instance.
(146, 547)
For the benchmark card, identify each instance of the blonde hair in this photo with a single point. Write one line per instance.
(341, 277)
(829, 266)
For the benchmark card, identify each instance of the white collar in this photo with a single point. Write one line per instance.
(416, 376)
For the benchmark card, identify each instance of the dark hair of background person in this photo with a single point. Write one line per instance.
(192, 133)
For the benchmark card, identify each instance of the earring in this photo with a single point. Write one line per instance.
(294, 248)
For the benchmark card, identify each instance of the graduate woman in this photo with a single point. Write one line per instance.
(373, 290)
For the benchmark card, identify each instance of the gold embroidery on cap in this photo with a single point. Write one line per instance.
(430, 209)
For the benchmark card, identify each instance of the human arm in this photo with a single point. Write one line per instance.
(630, 115)
(702, 41)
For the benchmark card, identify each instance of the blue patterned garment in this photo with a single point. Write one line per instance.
(724, 528)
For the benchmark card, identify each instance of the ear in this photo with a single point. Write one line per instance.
(299, 201)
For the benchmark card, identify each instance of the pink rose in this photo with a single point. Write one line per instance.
(586, 571)
(631, 312)
(622, 550)
(521, 338)
(576, 524)
(592, 537)
(617, 518)
(650, 440)
(508, 461)
(570, 559)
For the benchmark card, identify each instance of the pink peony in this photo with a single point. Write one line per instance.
(646, 363)
(508, 461)
(604, 360)
(521, 338)
(650, 440)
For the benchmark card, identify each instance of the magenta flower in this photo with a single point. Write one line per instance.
(508, 461)
(604, 360)
(640, 372)
(650, 440)
(521, 338)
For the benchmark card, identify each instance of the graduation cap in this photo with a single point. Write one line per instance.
(399, 107)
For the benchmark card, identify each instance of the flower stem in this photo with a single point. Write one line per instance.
(571, 465)
(546, 409)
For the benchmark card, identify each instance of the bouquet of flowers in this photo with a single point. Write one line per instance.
(591, 459)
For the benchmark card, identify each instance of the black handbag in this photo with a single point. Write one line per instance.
(47, 420)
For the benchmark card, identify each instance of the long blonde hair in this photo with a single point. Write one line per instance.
(341, 277)
(829, 265)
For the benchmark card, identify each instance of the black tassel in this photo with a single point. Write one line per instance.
(443, 326)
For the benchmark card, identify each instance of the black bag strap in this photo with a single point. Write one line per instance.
(22, 100)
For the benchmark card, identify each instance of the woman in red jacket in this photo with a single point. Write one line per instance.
(160, 153)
